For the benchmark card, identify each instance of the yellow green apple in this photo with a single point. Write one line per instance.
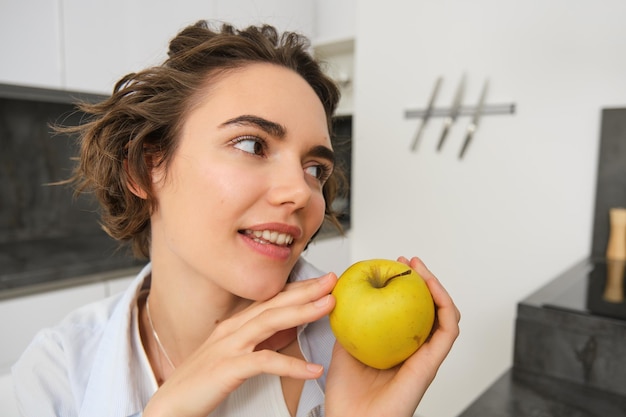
(383, 313)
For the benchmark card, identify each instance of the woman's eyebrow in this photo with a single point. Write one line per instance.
(267, 126)
(324, 152)
(279, 131)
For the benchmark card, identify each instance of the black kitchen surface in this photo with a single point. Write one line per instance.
(588, 292)
(27, 264)
(48, 236)
(523, 394)
(568, 354)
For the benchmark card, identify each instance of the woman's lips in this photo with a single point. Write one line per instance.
(273, 239)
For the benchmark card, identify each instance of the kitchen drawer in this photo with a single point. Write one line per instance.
(118, 285)
(22, 317)
(8, 407)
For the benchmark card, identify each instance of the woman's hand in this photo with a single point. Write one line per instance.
(244, 346)
(354, 389)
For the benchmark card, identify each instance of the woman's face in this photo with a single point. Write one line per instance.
(243, 193)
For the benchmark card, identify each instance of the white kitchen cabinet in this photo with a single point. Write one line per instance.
(103, 41)
(8, 406)
(101, 44)
(95, 44)
(30, 43)
(335, 20)
(334, 44)
(22, 317)
(116, 286)
(285, 15)
(338, 59)
(89, 45)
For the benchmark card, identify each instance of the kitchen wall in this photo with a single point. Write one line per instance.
(518, 209)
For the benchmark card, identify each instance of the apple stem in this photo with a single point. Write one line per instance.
(379, 281)
(382, 284)
(401, 274)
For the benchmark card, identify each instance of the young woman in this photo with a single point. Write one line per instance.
(218, 167)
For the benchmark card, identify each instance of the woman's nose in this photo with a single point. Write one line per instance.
(289, 186)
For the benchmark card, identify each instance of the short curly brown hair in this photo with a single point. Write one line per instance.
(136, 128)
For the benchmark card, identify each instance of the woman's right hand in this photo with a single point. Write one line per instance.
(244, 346)
(355, 389)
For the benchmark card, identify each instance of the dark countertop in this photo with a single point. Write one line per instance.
(48, 264)
(522, 394)
(35, 266)
(569, 355)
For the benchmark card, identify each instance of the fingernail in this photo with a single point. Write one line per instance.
(325, 279)
(322, 301)
(314, 368)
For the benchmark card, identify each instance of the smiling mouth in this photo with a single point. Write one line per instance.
(267, 237)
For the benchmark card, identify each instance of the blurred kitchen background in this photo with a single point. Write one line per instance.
(495, 226)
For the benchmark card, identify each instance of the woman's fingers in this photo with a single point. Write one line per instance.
(206, 379)
(271, 325)
(446, 328)
(278, 340)
(297, 293)
(273, 320)
(440, 296)
(270, 362)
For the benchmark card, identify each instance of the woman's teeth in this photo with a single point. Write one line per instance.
(270, 236)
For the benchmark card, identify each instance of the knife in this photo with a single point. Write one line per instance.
(454, 112)
(478, 112)
(427, 113)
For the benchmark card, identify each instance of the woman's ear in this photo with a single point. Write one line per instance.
(132, 185)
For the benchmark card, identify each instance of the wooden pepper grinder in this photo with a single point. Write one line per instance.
(616, 256)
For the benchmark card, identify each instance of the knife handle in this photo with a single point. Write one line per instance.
(471, 128)
(446, 127)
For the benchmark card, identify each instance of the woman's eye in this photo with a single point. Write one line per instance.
(249, 144)
(321, 172)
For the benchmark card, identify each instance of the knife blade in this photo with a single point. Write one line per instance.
(427, 113)
(454, 112)
(478, 112)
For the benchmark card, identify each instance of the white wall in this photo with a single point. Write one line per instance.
(330, 254)
(518, 209)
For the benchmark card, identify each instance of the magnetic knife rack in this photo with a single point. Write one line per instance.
(454, 111)
(492, 109)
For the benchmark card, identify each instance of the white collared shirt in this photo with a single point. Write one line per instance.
(92, 364)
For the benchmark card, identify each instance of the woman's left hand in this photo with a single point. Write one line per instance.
(354, 389)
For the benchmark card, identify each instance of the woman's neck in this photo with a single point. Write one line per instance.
(186, 308)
